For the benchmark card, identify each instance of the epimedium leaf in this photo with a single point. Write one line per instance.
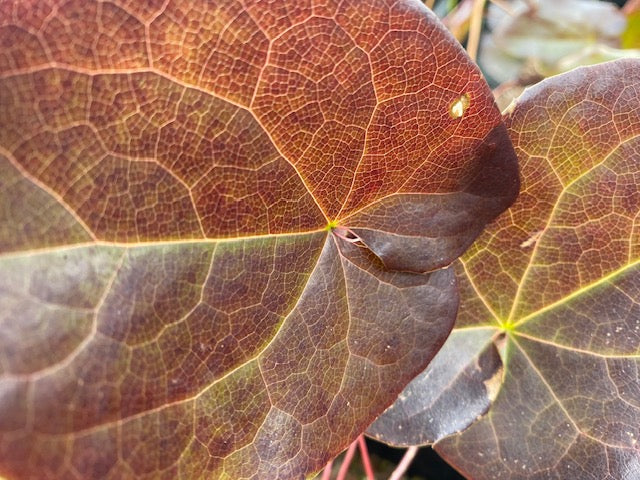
(394, 227)
(457, 388)
(177, 299)
(560, 277)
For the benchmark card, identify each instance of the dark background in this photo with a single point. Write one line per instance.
(426, 465)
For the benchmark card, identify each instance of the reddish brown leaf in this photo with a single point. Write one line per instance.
(456, 388)
(560, 275)
(556, 284)
(178, 182)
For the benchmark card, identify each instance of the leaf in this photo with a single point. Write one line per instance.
(456, 388)
(560, 275)
(209, 219)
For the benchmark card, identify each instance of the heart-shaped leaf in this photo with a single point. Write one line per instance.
(457, 387)
(560, 275)
(215, 219)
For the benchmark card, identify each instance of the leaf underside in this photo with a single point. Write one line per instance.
(174, 300)
(560, 276)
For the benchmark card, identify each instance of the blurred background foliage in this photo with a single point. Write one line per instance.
(519, 42)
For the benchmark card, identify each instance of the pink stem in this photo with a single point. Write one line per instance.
(346, 234)
(326, 473)
(366, 461)
(404, 463)
(631, 6)
(344, 468)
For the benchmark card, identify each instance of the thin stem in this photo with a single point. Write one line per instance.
(475, 28)
(366, 461)
(404, 463)
(326, 473)
(344, 468)
(505, 6)
(346, 234)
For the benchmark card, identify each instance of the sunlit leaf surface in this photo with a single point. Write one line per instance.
(215, 223)
(561, 276)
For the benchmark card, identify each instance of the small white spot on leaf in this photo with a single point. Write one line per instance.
(532, 239)
(459, 106)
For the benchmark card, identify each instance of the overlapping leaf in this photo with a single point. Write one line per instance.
(456, 389)
(180, 187)
(561, 276)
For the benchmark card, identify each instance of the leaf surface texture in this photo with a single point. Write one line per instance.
(560, 277)
(178, 296)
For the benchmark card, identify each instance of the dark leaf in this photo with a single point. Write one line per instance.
(456, 388)
(175, 298)
(561, 276)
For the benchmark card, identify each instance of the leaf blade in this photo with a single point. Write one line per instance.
(570, 307)
(159, 128)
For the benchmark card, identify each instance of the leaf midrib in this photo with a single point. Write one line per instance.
(577, 293)
(152, 243)
(547, 226)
